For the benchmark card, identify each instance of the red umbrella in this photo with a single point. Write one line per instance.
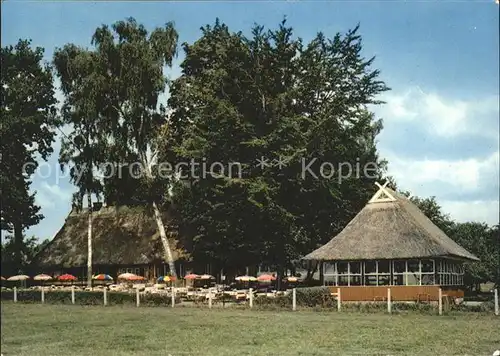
(191, 276)
(266, 278)
(67, 277)
(136, 278)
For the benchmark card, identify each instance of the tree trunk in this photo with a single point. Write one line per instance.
(18, 243)
(89, 242)
(159, 222)
(164, 240)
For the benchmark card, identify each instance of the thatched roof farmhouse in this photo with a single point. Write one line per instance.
(120, 236)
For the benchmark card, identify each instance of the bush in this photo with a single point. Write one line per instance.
(87, 298)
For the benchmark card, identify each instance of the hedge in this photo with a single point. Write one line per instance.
(88, 298)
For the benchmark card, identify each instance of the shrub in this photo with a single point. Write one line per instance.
(87, 298)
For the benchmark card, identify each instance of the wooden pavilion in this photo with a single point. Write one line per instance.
(391, 243)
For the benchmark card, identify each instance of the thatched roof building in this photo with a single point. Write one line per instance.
(120, 236)
(390, 226)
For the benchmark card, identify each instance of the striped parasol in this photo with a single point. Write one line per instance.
(42, 277)
(102, 277)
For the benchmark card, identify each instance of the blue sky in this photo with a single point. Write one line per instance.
(441, 60)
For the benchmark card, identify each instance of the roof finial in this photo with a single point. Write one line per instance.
(382, 195)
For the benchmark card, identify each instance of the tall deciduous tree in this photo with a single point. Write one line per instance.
(269, 95)
(83, 149)
(132, 61)
(28, 118)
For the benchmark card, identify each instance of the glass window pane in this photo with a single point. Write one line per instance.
(342, 267)
(370, 280)
(383, 267)
(329, 268)
(427, 279)
(413, 279)
(355, 280)
(398, 280)
(370, 267)
(355, 267)
(384, 280)
(427, 266)
(343, 280)
(413, 266)
(399, 266)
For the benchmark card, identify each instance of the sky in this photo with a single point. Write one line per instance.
(441, 60)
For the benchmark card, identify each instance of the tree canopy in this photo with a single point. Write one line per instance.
(27, 130)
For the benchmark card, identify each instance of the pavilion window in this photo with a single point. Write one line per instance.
(427, 272)
(342, 273)
(383, 273)
(413, 273)
(330, 273)
(450, 273)
(399, 273)
(355, 273)
(370, 273)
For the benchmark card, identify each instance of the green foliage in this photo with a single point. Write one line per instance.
(27, 130)
(29, 248)
(271, 95)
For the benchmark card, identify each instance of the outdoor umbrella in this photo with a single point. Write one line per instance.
(136, 278)
(126, 276)
(207, 276)
(3, 279)
(102, 277)
(266, 278)
(19, 277)
(166, 279)
(246, 279)
(292, 279)
(191, 276)
(67, 277)
(42, 277)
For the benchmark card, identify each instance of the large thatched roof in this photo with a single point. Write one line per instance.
(121, 235)
(389, 227)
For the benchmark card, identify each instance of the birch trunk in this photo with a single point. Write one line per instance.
(159, 222)
(164, 241)
(89, 242)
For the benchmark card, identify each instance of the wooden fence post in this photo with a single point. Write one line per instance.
(173, 296)
(497, 312)
(440, 302)
(338, 299)
(389, 300)
(294, 299)
(137, 297)
(105, 297)
(72, 294)
(43, 295)
(251, 297)
(15, 294)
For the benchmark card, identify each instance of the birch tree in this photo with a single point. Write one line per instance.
(132, 62)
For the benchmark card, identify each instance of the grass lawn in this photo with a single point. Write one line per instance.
(46, 330)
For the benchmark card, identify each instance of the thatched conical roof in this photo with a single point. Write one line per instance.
(120, 236)
(390, 226)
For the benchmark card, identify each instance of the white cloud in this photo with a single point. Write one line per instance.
(466, 175)
(482, 211)
(441, 116)
(49, 196)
